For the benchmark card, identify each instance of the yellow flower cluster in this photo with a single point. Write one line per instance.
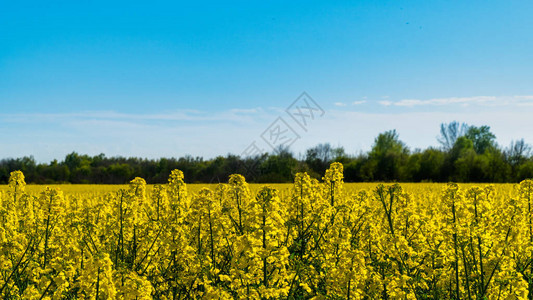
(316, 240)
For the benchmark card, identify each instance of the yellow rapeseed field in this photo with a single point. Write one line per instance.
(307, 240)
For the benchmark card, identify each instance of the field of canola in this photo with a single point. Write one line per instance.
(308, 240)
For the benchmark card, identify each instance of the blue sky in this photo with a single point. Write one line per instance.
(205, 78)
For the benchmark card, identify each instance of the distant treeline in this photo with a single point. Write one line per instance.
(467, 154)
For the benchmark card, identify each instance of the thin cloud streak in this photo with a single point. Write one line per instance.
(464, 101)
(183, 115)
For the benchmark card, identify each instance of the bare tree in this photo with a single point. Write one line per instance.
(449, 133)
(518, 152)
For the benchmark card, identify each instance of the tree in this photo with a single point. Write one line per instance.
(279, 167)
(460, 149)
(426, 165)
(482, 138)
(498, 169)
(449, 133)
(319, 157)
(389, 155)
(518, 152)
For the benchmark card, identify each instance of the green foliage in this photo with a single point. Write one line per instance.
(390, 156)
(481, 138)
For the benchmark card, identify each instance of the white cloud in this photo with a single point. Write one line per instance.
(465, 101)
(526, 97)
(246, 110)
(359, 102)
(340, 104)
(235, 114)
(386, 103)
(445, 101)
